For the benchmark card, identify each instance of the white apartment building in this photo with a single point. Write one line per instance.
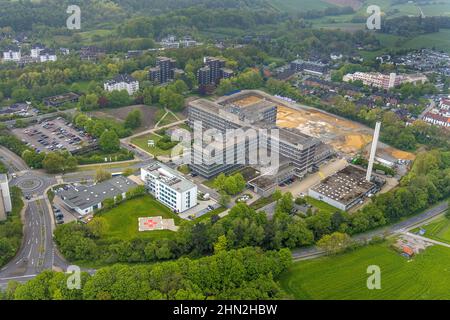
(12, 55)
(122, 82)
(36, 50)
(5, 197)
(169, 187)
(47, 55)
(384, 81)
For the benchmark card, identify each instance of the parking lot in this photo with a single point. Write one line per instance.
(202, 208)
(53, 135)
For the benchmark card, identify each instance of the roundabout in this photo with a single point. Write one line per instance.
(31, 184)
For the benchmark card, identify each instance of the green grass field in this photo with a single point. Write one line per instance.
(123, 219)
(426, 276)
(438, 229)
(142, 142)
(322, 206)
(302, 5)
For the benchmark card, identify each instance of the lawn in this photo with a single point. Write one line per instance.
(123, 219)
(322, 206)
(142, 142)
(344, 277)
(262, 202)
(207, 216)
(438, 229)
(168, 119)
(107, 165)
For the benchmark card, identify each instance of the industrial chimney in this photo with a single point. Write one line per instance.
(373, 150)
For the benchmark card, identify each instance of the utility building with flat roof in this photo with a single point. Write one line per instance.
(344, 189)
(86, 199)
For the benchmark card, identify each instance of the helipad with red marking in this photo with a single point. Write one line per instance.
(156, 223)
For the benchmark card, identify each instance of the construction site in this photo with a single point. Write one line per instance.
(345, 136)
(348, 186)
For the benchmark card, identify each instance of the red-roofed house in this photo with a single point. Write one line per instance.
(437, 119)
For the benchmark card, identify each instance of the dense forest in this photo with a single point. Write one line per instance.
(247, 273)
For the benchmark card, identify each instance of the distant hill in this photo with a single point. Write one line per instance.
(355, 4)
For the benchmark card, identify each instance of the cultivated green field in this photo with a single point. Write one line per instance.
(426, 276)
(300, 5)
(123, 219)
(438, 230)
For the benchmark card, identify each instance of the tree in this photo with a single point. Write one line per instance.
(221, 244)
(286, 203)
(98, 226)
(118, 98)
(224, 199)
(109, 141)
(107, 204)
(219, 182)
(447, 213)
(102, 175)
(59, 162)
(81, 120)
(133, 119)
(33, 159)
(88, 102)
(53, 163)
(300, 201)
(334, 243)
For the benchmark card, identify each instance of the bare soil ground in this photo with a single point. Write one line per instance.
(344, 135)
(120, 114)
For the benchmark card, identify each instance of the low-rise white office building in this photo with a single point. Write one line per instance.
(5, 197)
(169, 187)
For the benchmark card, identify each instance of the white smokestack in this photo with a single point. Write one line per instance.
(373, 150)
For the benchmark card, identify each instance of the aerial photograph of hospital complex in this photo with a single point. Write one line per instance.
(271, 151)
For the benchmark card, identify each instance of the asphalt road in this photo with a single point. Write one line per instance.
(12, 161)
(38, 251)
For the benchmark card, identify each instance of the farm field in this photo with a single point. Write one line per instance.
(123, 219)
(303, 5)
(438, 40)
(344, 277)
(438, 230)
